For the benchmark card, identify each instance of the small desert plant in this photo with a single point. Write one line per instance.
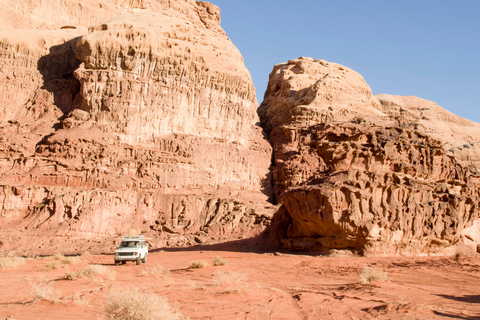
(44, 291)
(59, 261)
(156, 270)
(91, 271)
(232, 282)
(131, 304)
(94, 270)
(11, 262)
(229, 278)
(52, 265)
(65, 260)
(217, 261)
(370, 274)
(198, 264)
(58, 256)
(71, 260)
(70, 276)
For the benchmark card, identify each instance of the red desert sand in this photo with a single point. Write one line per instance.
(247, 285)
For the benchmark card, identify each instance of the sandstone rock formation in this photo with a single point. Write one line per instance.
(140, 115)
(458, 135)
(365, 173)
(146, 121)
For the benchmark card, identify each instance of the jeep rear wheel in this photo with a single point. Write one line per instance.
(116, 262)
(144, 260)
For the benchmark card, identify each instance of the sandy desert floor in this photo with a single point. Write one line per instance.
(250, 286)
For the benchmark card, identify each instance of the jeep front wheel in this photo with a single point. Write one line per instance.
(138, 260)
(144, 260)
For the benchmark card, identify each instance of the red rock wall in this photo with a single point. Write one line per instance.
(351, 177)
(147, 122)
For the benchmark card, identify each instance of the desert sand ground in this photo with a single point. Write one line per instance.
(251, 285)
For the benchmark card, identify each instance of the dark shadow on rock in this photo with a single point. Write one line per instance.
(251, 245)
(454, 316)
(265, 243)
(465, 298)
(267, 187)
(471, 299)
(57, 70)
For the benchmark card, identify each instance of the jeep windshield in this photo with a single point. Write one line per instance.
(130, 244)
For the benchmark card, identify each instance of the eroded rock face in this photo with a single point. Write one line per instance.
(458, 135)
(352, 174)
(147, 121)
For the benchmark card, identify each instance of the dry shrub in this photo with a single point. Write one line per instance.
(52, 265)
(229, 278)
(198, 264)
(133, 305)
(370, 274)
(65, 260)
(70, 276)
(217, 261)
(11, 262)
(58, 256)
(45, 291)
(59, 261)
(90, 271)
(158, 270)
(70, 260)
(94, 270)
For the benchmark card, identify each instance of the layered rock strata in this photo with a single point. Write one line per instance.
(353, 174)
(147, 122)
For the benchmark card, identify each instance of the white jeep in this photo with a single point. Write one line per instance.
(132, 248)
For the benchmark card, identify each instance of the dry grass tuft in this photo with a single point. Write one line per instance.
(217, 261)
(133, 305)
(66, 260)
(11, 262)
(45, 291)
(370, 274)
(52, 265)
(158, 270)
(198, 264)
(70, 276)
(91, 271)
(229, 278)
(59, 261)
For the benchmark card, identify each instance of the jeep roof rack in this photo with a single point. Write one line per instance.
(133, 238)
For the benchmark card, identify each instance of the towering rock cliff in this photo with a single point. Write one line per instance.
(146, 121)
(140, 115)
(365, 173)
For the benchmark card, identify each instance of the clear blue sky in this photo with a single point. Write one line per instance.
(424, 48)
